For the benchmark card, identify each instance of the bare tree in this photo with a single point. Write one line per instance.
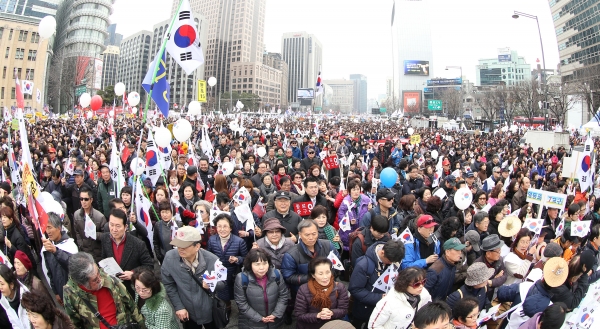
(452, 101)
(507, 101)
(562, 98)
(526, 96)
(487, 101)
(390, 104)
(587, 85)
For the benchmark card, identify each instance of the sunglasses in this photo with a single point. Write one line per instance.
(311, 152)
(418, 283)
(429, 221)
(84, 199)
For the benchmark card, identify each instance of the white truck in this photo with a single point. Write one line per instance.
(545, 139)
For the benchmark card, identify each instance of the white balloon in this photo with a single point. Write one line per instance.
(268, 125)
(134, 110)
(89, 115)
(194, 108)
(410, 131)
(85, 99)
(47, 27)
(212, 81)
(119, 89)
(162, 136)
(228, 168)
(261, 151)
(434, 154)
(133, 98)
(182, 130)
(137, 166)
(463, 198)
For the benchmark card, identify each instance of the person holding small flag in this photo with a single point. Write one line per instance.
(367, 271)
(321, 299)
(426, 248)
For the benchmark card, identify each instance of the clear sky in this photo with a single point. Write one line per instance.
(356, 33)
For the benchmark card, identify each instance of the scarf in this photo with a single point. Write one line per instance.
(320, 293)
(299, 188)
(521, 255)
(265, 191)
(413, 300)
(224, 240)
(189, 203)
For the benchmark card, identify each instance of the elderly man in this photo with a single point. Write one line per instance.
(425, 250)
(107, 189)
(262, 168)
(89, 241)
(520, 198)
(492, 246)
(285, 185)
(490, 182)
(441, 274)
(303, 204)
(287, 218)
(182, 271)
(58, 248)
(90, 290)
(129, 251)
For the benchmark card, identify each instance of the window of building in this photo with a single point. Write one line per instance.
(2, 93)
(35, 37)
(23, 35)
(10, 34)
(12, 93)
(4, 73)
(31, 56)
(29, 74)
(20, 53)
(7, 52)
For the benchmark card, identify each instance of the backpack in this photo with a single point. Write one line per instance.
(358, 234)
(245, 279)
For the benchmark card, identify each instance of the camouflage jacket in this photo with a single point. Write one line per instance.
(83, 317)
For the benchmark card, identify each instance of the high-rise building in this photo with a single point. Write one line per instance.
(110, 61)
(184, 87)
(23, 54)
(235, 36)
(577, 35)
(134, 59)
(344, 96)
(30, 8)
(79, 43)
(275, 60)
(303, 53)
(389, 87)
(113, 38)
(507, 69)
(361, 99)
(414, 54)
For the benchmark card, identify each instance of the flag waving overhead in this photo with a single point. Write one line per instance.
(183, 43)
(161, 91)
(584, 167)
(153, 164)
(142, 206)
(319, 84)
(27, 87)
(116, 167)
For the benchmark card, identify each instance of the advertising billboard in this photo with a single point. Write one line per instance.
(411, 101)
(444, 82)
(306, 93)
(504, 55)
(416, 68)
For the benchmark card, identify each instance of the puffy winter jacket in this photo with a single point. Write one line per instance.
(480, 294)
(251, 299)
(235, 247)
(394, 311)
(440, 278)
(276, 255)
(412, 256)
(355, 213)
(306, 314)
(294, 266)
(393, 218)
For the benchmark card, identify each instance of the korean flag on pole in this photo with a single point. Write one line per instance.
(335, 261)
(183, 43)
(152, 161)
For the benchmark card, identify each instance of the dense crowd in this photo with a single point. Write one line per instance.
(287, 235)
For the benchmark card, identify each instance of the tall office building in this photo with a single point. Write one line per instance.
(134, 59)
(361, 99)
(577, 35)
(184, 87)
(344, 95)
(30, 8)
(414, 54)
(507, 69)
(113, 38)
(110, 61)
(304, 54)
(275, 60)
(235, 36)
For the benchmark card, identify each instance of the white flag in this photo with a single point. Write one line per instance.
(183, 44)
(90, 228)
(116, 167)
(5, 260)
(210, 279)
(38, 97)
(335, 261)
(387, 279)
(406, 237)
(580, 228)
(220, 271)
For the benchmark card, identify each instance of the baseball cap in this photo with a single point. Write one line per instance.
(185, 237)
(451, 179)
(474, 239)
(385, 193)
(192, 170)
(446, 162)
(453, 243)
(283, 195)
(426, 221)
(469, 174)
(78, 172)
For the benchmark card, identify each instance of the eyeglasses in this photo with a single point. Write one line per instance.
(143, 290)
(483, 198)
(84, 199)
(474, 316)
(418, 283)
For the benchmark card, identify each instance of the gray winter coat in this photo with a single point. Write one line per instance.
(251, 303)
(85, 244)
(276, 255)
(183, 291)
(162, 238)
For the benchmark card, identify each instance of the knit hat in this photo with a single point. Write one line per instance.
(478, 273)
(556, 271)
(22, 257)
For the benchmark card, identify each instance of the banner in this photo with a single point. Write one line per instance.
(202, 91)
(331, 162)
(303, 208)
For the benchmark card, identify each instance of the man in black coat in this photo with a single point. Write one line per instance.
(127, 250)
(304, 204)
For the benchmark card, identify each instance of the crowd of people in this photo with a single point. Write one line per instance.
(323, 246)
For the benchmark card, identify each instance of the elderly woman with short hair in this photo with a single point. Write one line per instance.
(151, 295)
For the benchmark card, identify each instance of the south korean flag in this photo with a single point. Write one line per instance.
(183, 43)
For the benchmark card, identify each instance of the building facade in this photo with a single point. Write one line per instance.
(361, 100)
(303, 53)
(23, 54)
(184, 88)
(110, 61)
(258, 79)
(235, 36)
(113, 38)
(509, 71)
(275, 60)
(134, 60)
(344, 95)
(29, 8)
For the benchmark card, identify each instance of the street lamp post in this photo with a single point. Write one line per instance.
(461, 83)
(516, 15)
